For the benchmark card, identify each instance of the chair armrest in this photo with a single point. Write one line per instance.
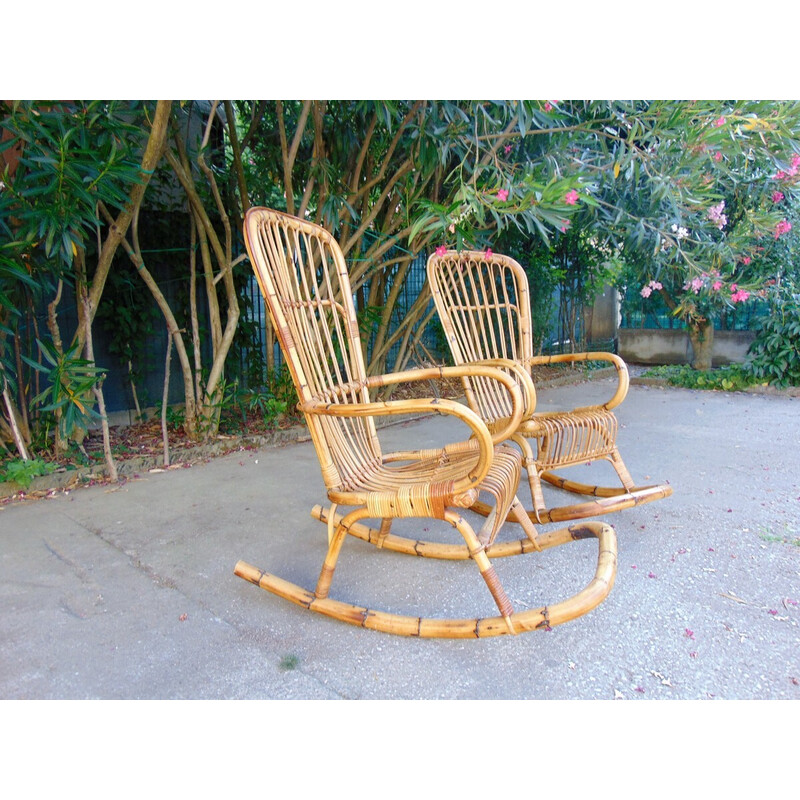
(622, 371)
(345, 401)
(518, 385)
(481, 439)
(491, 370)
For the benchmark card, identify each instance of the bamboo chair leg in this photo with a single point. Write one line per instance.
(518, 513)
(529, 465)
(477, 552)
(486, 529)
(331, 524)
(334, 548)
(619, 465)
(386, 526)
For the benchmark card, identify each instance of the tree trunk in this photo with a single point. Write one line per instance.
(97, 389)
(13, 421)
(165, 401)
(701, 335)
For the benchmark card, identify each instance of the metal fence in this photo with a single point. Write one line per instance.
(557, 338)
(254, 350)
(652, 313)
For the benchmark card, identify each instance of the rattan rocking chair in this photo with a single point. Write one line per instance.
(302, 274)
(483, 303)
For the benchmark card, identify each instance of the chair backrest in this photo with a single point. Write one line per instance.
(484, 307)
(303, 276)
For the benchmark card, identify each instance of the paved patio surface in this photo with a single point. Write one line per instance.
(129, 592)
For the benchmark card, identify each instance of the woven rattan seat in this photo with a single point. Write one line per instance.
(483, 302)
(303, 277)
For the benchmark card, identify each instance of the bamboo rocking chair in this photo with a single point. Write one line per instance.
(484, 307)
(302, 274)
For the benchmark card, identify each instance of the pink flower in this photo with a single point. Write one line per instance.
(697, 285)
(452, 227)
(718, 156)
(689, 634)
(715, 215)
(571, 197)
(782, 227)
(548, 106)
(489, 253)
(441, 250)
(779, 175)
(564, 225)
(777, 197)
(740, 296)
(651, 575)
(718, 123)
(795, 161)
(651, 287)
(746, 260)
(502, 195)
(716, 286)
(507, 149)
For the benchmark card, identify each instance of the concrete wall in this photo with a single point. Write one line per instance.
(645, 346)
(660, 346)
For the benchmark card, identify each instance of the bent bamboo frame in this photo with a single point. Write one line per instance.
(484, 307)
(426, 549)
(303, 277)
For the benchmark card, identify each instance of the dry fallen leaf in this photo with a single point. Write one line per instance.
(664, 681)
(732, 596)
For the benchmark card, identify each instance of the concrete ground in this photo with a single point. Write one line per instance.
(129, 592)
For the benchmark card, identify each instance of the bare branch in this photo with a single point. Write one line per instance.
(152, 155)
(289, 152)
(237, 156)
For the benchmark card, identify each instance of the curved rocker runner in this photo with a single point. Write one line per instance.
(303, 277)
(543, 618)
